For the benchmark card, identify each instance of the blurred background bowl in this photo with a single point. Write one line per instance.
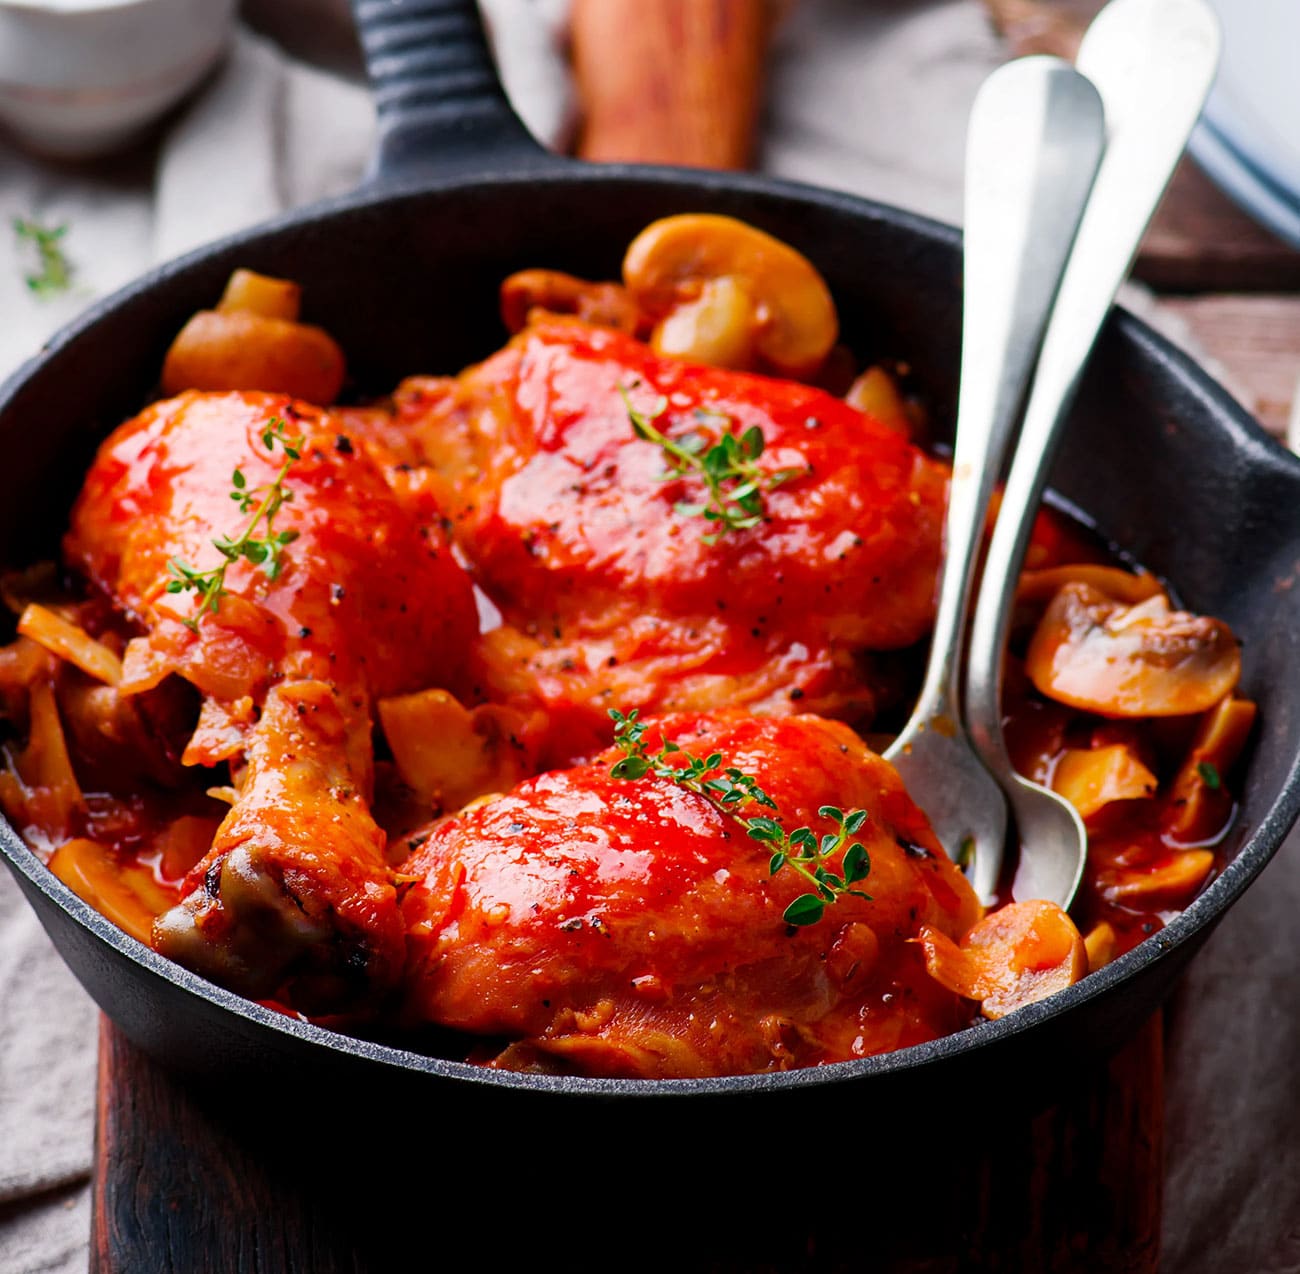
(80, 77)
(1249, 139)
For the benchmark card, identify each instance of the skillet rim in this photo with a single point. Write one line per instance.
(1241, 432)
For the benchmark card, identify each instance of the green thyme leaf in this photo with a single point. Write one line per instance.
(51, 271)
(733, 481)
(631, 767)
(856, 863)
(265, 550)
(807, 909)
(726, 788)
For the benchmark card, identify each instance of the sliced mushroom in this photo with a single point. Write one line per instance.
(1171, 881)
(252, 340)
(1094, 653)
(1100, 944)
(1118, 585)
(1092, 778)
(875, 393)
(718, 327)
(126, 893)
(450, 755)
(70, 641)
(1016, 955)
(1199, 804)
(601, 304)
(261, 294)
(723, 292)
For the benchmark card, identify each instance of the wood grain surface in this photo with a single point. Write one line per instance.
(177, 1189)
(230, 1182)
(1256, 339)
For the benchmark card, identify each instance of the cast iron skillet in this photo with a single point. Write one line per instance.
(404, 273)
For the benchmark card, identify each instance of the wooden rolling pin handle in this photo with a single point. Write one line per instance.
(670, 81)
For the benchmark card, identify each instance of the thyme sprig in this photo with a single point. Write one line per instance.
(53, 272)
(1209, 773)
(727, 788)
(733, 479)
(265, 550)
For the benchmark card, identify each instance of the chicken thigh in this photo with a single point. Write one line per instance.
(611, 594)
(368, 601)
(634, 928)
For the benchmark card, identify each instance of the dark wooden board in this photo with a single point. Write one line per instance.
(183, 1183)
(178, 1190)
(1255, 338)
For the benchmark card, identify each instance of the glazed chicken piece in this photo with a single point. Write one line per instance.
(632, 928)
(295, 890)
(611, 595)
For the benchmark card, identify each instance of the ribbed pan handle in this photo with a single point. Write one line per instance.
(440, 104)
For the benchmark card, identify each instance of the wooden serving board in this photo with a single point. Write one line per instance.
(183, 1184)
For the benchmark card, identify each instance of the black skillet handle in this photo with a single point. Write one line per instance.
(441, 106)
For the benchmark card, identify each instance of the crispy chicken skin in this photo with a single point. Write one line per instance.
(369, 592)
(610, 595)
(632, 929)
(370, 602)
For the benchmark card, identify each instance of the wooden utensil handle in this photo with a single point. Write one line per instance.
(669, 81)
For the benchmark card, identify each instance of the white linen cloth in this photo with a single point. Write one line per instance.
(867, 97)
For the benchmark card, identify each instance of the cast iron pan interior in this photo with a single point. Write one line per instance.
(405, 273)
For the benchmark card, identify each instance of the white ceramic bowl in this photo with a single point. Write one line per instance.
(1249, 140)
(78, 77)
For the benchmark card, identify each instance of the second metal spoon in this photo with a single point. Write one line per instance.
(1153, 62)
(1035, 138)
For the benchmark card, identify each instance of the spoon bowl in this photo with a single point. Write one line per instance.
(1053, 827)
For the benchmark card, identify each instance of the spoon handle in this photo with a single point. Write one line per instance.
(1153, 62)
(1035, 138)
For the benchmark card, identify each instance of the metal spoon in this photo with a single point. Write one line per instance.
(1153, 62)
(1035, 138)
